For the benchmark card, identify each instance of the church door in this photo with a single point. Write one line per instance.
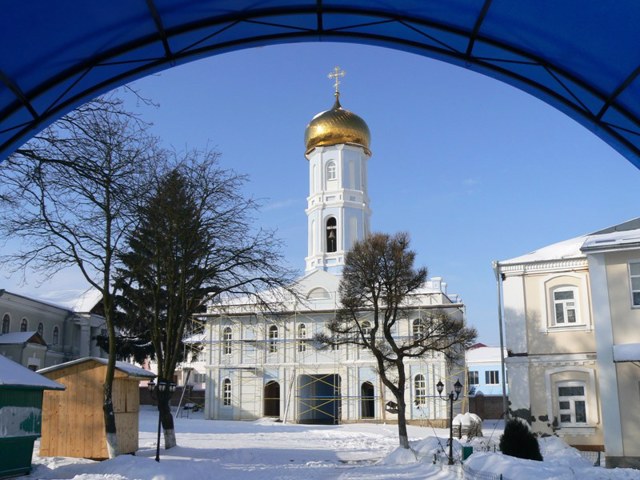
(367, 402)
(272, 399)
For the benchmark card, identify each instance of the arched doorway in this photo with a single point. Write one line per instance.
(367, 401)
(319, 399)
(272, 399)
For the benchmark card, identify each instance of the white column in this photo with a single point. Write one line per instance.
(607, 376)
(85, 339)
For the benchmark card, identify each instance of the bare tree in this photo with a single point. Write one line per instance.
(194, 238)
(379, 283)
(69, 196)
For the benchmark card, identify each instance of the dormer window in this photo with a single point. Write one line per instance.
(332, 235)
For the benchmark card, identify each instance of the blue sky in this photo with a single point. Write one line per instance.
(474, 169)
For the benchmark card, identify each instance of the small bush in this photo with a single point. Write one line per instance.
(519, 441)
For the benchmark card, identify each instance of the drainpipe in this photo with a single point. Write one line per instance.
(496, 271)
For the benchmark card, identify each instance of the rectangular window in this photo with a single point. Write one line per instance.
(474, 378)
(273, 339)
(564, 302)
(420, 385)
(492, 377)
(572, 404)
(634, 273)
(226, 392)
(227, 339)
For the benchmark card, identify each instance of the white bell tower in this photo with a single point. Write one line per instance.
(338, 210)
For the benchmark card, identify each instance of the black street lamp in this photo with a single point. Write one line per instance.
(452, 397)
(159, 390)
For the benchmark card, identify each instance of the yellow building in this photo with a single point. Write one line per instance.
(571, 313)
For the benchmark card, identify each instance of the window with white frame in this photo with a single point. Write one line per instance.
(565, 300)
(474, 377)
(41, 329)
(331, 170)
(418, 329)
(302, 336)
(56, 335)
(6, 323)
(227, 341)
(572, 404)
(366, 330)
(273, 339)
(492, 377)
(24, 325)
(634, 274)
(420, 389)
(226, 392)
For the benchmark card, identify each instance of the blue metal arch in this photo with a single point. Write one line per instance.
(582, 58)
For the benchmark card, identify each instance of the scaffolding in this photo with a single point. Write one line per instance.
(315, 384)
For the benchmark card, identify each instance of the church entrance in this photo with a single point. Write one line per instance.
(367, 402)
(319, 399)
(272, 399)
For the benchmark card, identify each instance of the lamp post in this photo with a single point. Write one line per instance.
(159, 389)
(452, 397)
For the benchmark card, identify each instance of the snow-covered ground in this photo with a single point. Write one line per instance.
(268, 450)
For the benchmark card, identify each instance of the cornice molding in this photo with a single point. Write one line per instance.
(545, 266)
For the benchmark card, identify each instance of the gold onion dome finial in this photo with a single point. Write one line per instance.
(336, 126)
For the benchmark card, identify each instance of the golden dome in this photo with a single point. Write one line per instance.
(336, 126)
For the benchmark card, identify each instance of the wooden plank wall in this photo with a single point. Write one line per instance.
(73, 422)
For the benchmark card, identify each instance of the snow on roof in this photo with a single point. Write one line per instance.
(14, 374)
(612, 240)
(618, 236)
(15, 338)
(484, 355)
(125, 367)
(626, 352)
(42, 301)
(84, 302)
(558, 251)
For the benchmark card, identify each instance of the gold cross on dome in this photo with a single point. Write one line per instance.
(337, 73)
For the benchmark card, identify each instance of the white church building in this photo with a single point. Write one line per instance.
(266, 363)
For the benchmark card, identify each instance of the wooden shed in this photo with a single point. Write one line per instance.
(73, 424)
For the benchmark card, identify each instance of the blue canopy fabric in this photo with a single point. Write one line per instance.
(580, 56)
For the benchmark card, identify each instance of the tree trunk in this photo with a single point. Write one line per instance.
(109, 422)
(403, 436)
(107, 407)
(166, 418)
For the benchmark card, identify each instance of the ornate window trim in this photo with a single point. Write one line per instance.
(634, 283)
(561, 375)
(564, 281)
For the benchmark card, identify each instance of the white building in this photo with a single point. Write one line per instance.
(267, 364)
(38, 334)
(485, 381)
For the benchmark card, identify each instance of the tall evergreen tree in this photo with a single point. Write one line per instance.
(193, 239)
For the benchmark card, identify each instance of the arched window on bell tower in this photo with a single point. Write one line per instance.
(332, 235)
(331, 170)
